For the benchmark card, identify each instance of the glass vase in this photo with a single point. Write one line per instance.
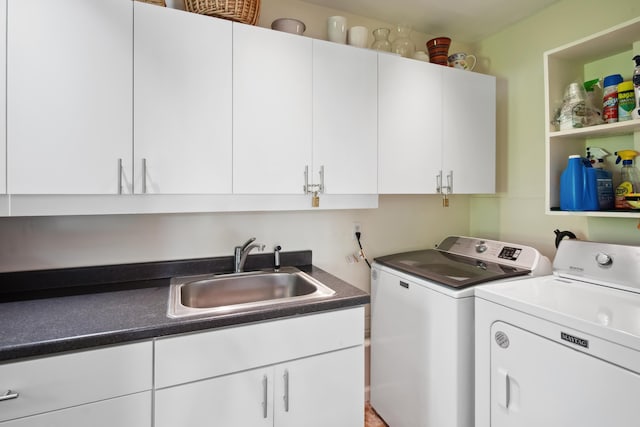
(403, 45)
(381, 42)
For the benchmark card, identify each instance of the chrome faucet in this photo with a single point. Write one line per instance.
(240, 253)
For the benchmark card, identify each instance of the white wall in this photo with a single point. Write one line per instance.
(515, 56)
(401, 223)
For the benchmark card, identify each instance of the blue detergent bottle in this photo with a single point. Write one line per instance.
(578, 186)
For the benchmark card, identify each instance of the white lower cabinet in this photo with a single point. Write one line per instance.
(105, 387)
(319, 391)
(313, 391)
(126, 411)
(239, 399)
(301, 371)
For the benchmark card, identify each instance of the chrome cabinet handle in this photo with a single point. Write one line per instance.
(144, 176)
(439, 183)
(286, 391)
(321, 173)
(9, 395)
(265, 390)
(119, 176)
(450, 182)
(305, 189)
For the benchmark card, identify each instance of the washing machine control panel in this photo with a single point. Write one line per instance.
(510, 253)
(494, 251)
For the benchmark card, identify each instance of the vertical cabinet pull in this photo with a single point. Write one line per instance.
(286, 390)
(144, 176)
(9, 395)
(119, 176)
(439, 183)
(450, 182)
(265, 391)
(305, 189)
(321, 173)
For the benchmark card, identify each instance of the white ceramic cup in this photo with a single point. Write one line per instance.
(358, 36)
(337, 29)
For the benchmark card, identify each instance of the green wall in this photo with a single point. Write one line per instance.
(515, 55)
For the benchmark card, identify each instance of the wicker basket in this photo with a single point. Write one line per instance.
(245, 11)
(156, 2)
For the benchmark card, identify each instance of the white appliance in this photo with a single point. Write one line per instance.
(562, 350)
(422, 331)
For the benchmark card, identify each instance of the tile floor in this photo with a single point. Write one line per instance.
(371, 419)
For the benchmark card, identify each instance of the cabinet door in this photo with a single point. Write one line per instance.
(128, 411)
(320, 391)
(69, 114)
(237, 400)
(182, 102)
(469, 131)
(345, 108)
(410, 125)
(3, 96)
(271, 110)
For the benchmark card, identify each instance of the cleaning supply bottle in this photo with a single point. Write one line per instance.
(635, 114)
(629, 177)
(578, 190)
(610, 98)
(626, 101)
(603, 177)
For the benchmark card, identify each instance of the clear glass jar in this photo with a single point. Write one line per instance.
(403, 45)
(381, 42)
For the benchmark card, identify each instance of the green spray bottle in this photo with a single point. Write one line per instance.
(603, 177)
(629, 177)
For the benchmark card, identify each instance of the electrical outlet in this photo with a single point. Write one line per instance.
(357, 228)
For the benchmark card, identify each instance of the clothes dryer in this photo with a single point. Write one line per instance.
(562, 350)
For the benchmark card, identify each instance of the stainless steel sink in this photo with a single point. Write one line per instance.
(231, 293)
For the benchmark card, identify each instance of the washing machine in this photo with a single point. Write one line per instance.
(562, 350)
(422, 326)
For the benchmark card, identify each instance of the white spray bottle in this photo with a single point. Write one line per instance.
(635, 114)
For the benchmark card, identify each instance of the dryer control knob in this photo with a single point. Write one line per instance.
(481, 247)
(604, 259)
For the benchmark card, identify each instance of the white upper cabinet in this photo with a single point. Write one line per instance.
(3, 95)
(437, 129)
(345, 102)
(272, 89)
(69, 112)
(469, 131)
(410, 125)
(182, 102)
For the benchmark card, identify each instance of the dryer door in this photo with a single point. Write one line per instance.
(536, 381)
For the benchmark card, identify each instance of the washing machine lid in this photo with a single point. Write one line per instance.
(449, 269)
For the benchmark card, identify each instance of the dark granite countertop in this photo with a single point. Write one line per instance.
(62, 310)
